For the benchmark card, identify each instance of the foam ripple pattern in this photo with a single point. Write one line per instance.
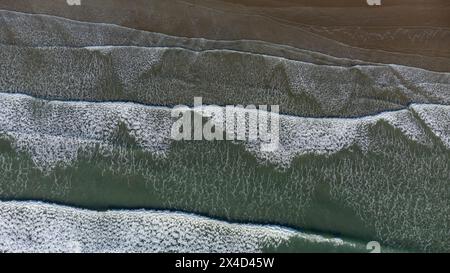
(53, 132)
(39, 227)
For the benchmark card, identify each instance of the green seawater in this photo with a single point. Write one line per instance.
(396, 193)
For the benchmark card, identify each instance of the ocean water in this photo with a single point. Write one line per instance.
(346, 192)
(40, 227)
(87, 163)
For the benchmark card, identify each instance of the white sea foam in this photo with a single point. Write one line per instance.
(220, 76)
(39, 227)
(437, 118)
(53, 132)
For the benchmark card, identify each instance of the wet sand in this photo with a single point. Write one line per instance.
(413, 32)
